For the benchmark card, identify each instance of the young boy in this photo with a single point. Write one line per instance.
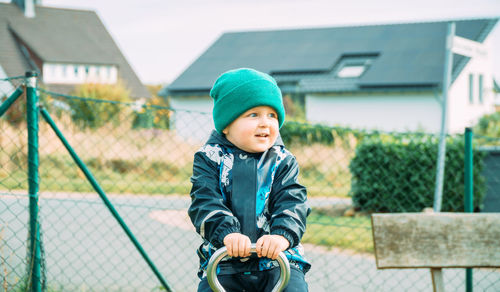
(245, 188)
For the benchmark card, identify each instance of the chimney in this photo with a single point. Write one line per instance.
(28, 6)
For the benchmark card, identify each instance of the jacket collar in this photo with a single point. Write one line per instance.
(217, 138)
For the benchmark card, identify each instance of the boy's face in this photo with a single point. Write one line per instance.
(255, 130)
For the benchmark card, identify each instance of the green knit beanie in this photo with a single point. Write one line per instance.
(239, 90)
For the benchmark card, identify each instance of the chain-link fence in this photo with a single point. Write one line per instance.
(141, 158)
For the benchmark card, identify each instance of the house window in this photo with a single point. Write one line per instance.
(78, 73)
(471, 88)
(480, 88)
(353, 66)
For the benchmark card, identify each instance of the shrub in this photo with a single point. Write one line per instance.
(294, 107)
(154, 114)
(489, 125)
(95, 162)
(16, 114)
(95, 114)
(399, 175)
(121, 165)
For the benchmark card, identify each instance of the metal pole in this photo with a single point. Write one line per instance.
(9, 101)
(34, 261)
(105, 199)
(469, 193)
(438, 192)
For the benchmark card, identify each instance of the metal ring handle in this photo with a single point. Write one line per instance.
(222, 252)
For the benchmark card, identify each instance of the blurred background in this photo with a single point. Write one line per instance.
(125, 85)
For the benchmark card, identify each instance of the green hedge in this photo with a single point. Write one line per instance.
(398, 175)
(306, 134)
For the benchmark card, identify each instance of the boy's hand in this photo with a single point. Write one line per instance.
(237, 244)
(271, 245)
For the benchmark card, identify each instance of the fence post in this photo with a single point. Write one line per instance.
(469, 193)
(34, 260)
(440, 164)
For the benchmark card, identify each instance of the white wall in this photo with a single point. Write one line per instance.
(192, 117)
(386, 112)
(462, 113)
(6, 87)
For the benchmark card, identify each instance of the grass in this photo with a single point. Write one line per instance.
(352, 233)
(324, 169)
(73, 180)
(58, 172)
(144, 161)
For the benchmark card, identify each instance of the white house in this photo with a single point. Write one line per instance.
(384, 77)
(66, 47)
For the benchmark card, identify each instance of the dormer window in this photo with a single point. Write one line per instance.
(353, 66)
(351, 71)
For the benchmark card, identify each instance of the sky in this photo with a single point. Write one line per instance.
(161, 38)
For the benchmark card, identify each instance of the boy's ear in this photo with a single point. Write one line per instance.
(225, 131)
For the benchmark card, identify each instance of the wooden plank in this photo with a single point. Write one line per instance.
(436, 240)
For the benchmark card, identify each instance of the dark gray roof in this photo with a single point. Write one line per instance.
(408, 55)
(62, 36)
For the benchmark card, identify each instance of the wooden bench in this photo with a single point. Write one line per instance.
(436, 241)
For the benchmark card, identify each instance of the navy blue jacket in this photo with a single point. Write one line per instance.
(220, 207)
